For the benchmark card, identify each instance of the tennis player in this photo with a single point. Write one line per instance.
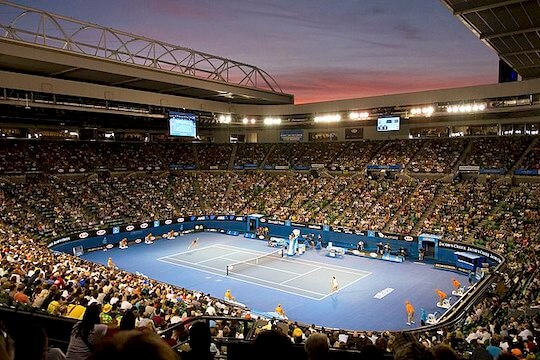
(110, 263)
(334, 284)
(194, 244)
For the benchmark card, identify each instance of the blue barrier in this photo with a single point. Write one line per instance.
(235, 225)
(532, 172)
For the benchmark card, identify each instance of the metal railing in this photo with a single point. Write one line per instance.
(43, 28)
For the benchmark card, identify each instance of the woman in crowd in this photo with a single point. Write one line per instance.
(85, 334)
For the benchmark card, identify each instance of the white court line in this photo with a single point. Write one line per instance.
(214, 258)
(268, 267)
(292, 287)
(349, 284)
(318, 264)
(246, 281)
(296, 277)
(186, 252)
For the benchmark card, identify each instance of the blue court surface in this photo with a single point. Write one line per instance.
(371, 294)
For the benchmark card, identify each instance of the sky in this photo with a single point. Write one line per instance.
(317, 50)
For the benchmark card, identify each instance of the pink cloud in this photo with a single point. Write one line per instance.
(315, 86)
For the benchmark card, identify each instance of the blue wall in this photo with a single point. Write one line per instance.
(342, 237)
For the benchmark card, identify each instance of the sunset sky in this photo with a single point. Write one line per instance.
(316, 50)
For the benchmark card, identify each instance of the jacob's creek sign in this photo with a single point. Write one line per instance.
(468, 248)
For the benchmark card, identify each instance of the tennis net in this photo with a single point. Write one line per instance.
(238, 266)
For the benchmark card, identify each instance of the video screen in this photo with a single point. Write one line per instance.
(182, 124)
(388, 123)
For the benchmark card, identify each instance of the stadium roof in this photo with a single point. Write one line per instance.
(41, 43)
(510, 27)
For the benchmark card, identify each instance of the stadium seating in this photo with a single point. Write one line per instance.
(137, 187)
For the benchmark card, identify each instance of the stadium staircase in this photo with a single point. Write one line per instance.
(531, 146)
(196, 157)
(230, 185)
(463, 155)
(233, 157)
(197, 188)
(429, 210)
(266, 156)
(496, 209)
(403, 204)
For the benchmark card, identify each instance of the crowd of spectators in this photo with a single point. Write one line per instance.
(413, 210)
(213, 188)
(251, 154)
(214, 156)
(461, 207)
(531, 161)
(438, 156)
(432, 156)
(63, 285)
(486, 212)
(497, 152)
(397, 152)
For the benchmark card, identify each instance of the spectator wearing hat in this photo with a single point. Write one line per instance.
(517, 353)
(105, 316)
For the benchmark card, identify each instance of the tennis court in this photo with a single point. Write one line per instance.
(269, 269)
(371, 294)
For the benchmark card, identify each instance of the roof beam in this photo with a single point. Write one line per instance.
(521, 52)
(524, 67)
(64, 71)
(488, 7)
(127, 81)
(173, 89)
(510, 33)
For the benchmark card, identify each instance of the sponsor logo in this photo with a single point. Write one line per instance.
(408, 238)
(101, 232)
(138, 241)
(381, 235)
(130, 227)
(168, 222)
(444, 266)
(263, 220)
(383, 293)
(109, 246)
(373, 255)
(180, 220)
(201, 218)
(83, 235)
(144, 225)
(221, 217)
(59, 241)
